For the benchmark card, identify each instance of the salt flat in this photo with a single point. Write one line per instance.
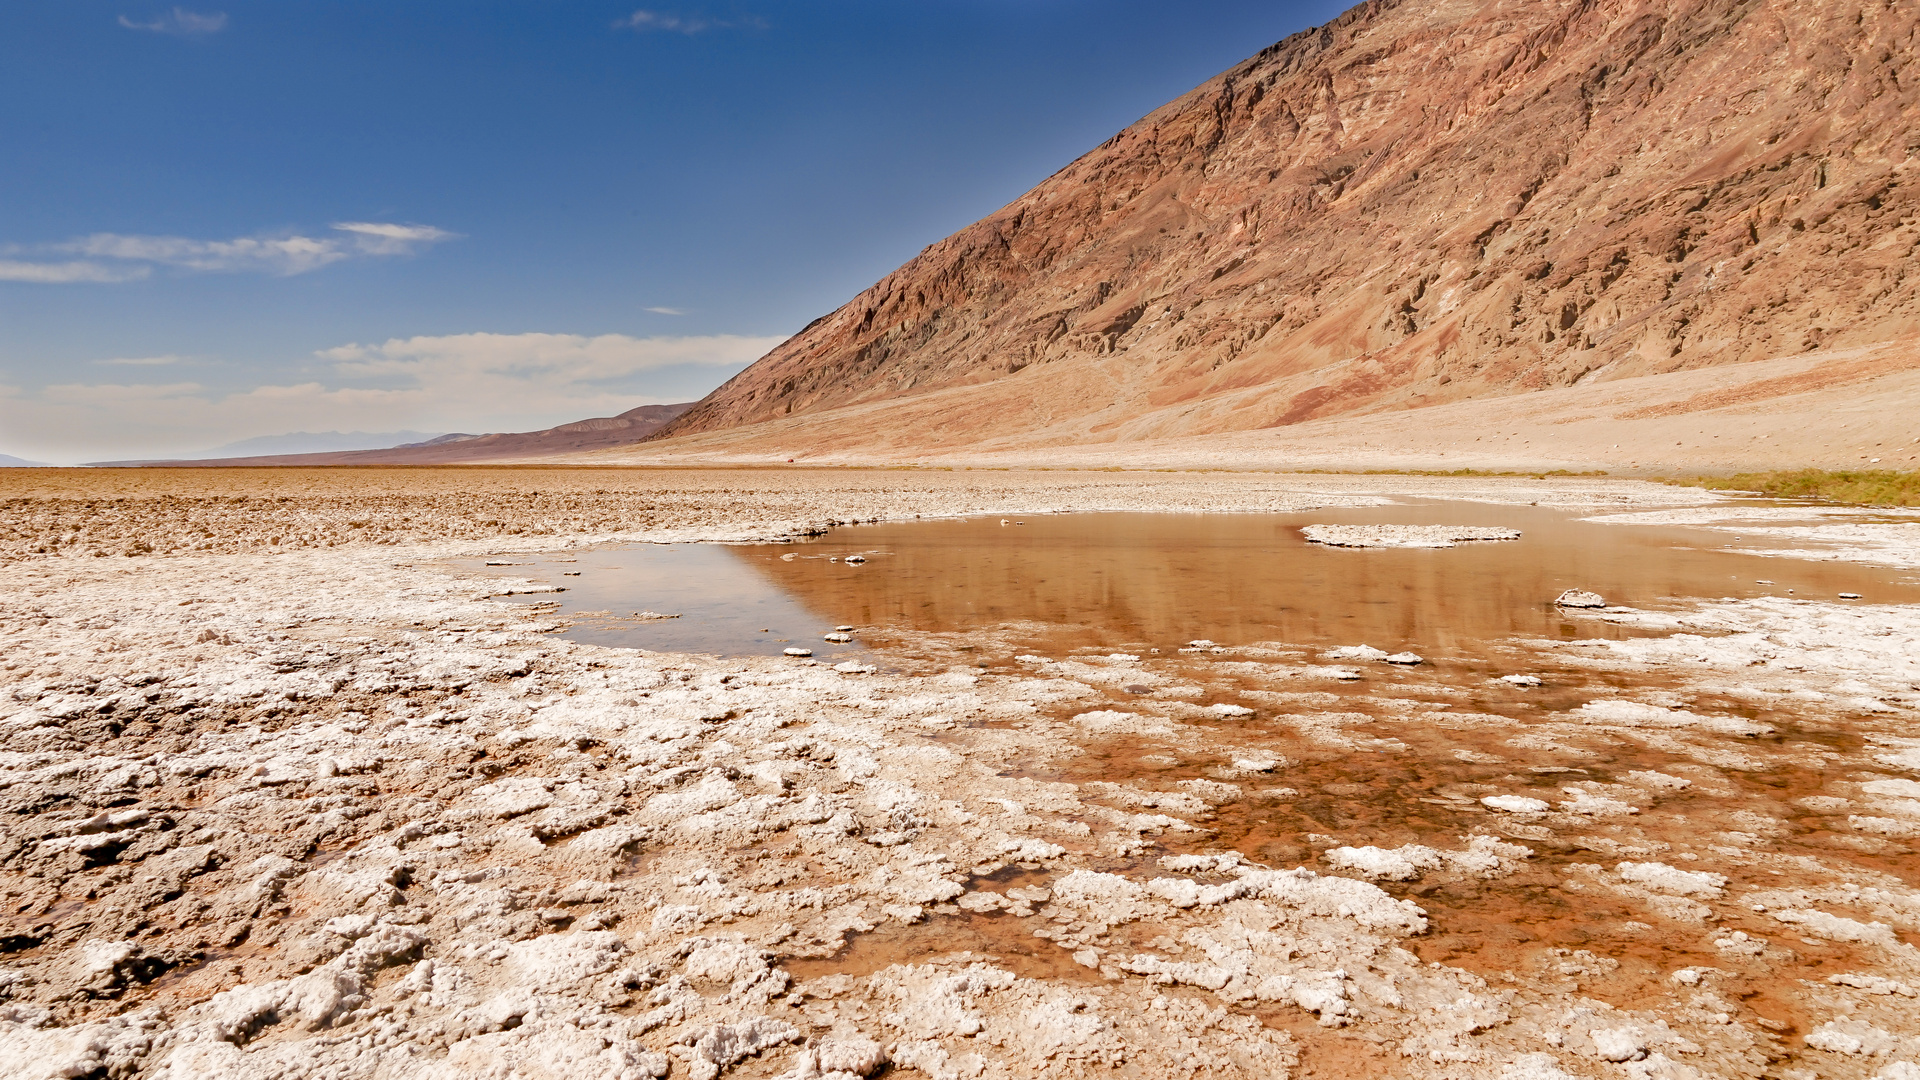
(284, 793)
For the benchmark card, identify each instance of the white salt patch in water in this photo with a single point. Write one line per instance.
(1516, 804)
(1404, 536)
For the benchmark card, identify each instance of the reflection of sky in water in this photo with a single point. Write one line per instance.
(722, 609)
(1163, 579)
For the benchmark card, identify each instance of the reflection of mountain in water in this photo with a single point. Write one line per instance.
(1162, 579)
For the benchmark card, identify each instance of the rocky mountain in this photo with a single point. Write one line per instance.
(1421, 202)
(595, 434)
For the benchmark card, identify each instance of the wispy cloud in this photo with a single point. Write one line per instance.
(181, 23)
(668, 22)
(552, 360)
(109, 257)
(455, 382)
(65, 273)
(378, 238)
(665, 310)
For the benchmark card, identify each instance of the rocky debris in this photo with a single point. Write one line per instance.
(1403, 536)
(1580, 598)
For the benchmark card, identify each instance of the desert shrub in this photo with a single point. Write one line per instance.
(1865, 487)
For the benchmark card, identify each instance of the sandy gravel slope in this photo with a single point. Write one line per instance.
(330, 812)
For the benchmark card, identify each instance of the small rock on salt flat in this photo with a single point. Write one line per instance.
(837, 639)
(1672, 879)
(1224, 709)
(1846, 1036)
(1521, 680)
(856, 558)
(1354, 652)
(1515, 804)
(797, 652)
(1619, 1044)
(1905, 759)
(1849, 596)
(1405, 658)
(852, 667)
(1893, 789)
(1580, 598)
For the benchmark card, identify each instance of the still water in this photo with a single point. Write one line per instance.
(1161, 580)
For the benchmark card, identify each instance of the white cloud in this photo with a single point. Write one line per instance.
(458, 382)
(666, 310)
(181, 23)
(644, 20)
(66, 273)
(133, 257)
(376, 238)
(551, 359)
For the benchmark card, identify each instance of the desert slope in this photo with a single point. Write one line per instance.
(1417, 204)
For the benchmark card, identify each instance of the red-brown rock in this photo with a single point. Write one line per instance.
(1418, 203)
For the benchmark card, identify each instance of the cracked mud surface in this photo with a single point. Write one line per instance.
(331, 813)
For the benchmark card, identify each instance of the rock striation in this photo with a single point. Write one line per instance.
(1415, 204)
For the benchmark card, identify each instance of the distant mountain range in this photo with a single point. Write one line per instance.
(8, 461)
(453, 449)
(320, 442)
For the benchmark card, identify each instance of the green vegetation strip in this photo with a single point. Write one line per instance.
(1869, 487)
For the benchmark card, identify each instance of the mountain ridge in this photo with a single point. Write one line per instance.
(1414, 204)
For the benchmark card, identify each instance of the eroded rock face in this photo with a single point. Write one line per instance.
(1417, 203)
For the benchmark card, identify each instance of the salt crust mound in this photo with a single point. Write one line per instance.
(1484, 857)
(330, 817)
(1403, 536)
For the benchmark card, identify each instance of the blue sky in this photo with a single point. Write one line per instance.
(227, 220)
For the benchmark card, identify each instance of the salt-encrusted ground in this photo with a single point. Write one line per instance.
(331, 813)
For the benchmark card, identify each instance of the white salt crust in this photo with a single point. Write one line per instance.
(407, 835)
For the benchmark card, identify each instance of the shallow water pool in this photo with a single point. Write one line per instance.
(1163, 580)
